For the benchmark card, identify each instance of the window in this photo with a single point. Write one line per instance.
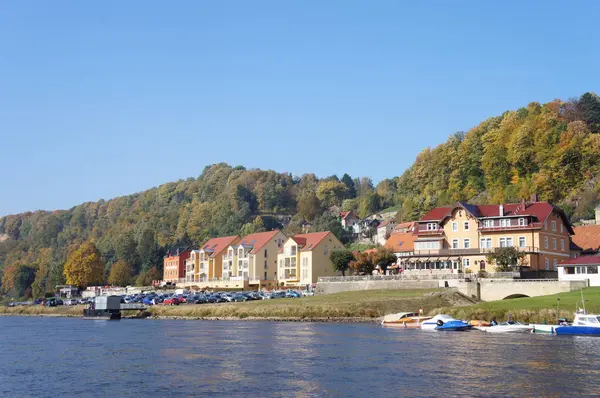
(579, 270)
(546, 225)
(554, 243)
(455, 243)
(266, 275)
(522, 241)
(488, 223)
(466, 262)
(467, 243)
(554, 226)
(305, 261)
(428, 245)
(431, 226)
(592, 270)
(521, 222)
(266, 255)
(555, 263)
(293, 250)
(505, 222)
(266, 264)
(547, 265)
(485, 243)
(562, 244)
(325, 250)
(546, 242)
(466, 225)
(482, 265)
(562, 228)
(506, 242)
(454, 226)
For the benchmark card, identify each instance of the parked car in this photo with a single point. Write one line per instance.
(307, 293)
(171, 301)
(239, 297)
(148, 301)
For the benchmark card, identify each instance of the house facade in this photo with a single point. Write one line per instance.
(384, 230)
(174, 264)
(580, 268)
(461, 236)
(348, 220)
(253, 258)
(206, 263)
(305, 258)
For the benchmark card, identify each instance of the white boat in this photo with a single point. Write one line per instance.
(432, 323)
(543, 328)
(407, 320)
(508, 327)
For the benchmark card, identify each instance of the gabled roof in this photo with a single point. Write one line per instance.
(539, 211)
(311, 240)
(258, 240)
(587, 237)
(174, 251)
(405, 225)
(345, 214)
(383, 224)
(217, 245)
(401, 242)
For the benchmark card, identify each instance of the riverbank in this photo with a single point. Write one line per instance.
(529, 309)
(357, 306)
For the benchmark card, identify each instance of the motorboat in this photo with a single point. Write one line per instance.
(508, 327)
(444, 322)
(407, 320)
(583, 325)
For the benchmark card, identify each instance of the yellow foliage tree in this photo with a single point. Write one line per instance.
(84, 266)
(121, 274)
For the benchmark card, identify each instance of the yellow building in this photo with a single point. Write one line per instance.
(460, 237)
(253, 259)
(305, 258)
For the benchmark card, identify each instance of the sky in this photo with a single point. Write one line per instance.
(102, 99)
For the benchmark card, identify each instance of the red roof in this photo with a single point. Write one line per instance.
(383, 224)
(583, 260)
(311, 240)
(401, 242)
(345, 214)
(217, 245)
(258, 240)
(539, 210)
(587, 237)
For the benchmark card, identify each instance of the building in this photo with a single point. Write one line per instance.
(253, 259)
(384, 230)
(580, 268)
(206, 263)
(174, 264)
(404, 227)
(348, 220)
(402, 244)
(305, 258)
(459, 237)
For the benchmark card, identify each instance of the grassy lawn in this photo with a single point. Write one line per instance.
(530, 309)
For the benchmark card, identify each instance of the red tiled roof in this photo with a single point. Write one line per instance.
(258, 240)
(587, 237)
(401, 242)
(539, 210)
(217, 245)
(311, 240)
(383, 224)
(345, 214)
(583, 260)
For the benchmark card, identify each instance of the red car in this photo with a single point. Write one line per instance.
(171, 301)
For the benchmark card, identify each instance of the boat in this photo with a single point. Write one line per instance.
(407, 320)
(583, 325)
(543, 328)
(508, 327)
(478, 323)
(444, 322)
(104, 308)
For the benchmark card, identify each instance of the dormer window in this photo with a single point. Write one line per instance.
(488, 223)
(521, 222)
(431, 226)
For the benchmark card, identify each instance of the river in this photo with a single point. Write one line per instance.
(48, 357)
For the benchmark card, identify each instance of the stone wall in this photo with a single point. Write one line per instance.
(338, 287)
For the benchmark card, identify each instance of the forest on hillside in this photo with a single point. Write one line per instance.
(552, 150)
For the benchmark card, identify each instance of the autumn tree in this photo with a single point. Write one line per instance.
(18, 278)
(84, 266)
(308, 205)
(332, 192)
(120, 274)
(145, 278)
(505, 258)
(340, 259)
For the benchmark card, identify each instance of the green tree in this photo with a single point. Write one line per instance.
(505, 258)
(126, 249)
(589, 103)
(17, 279)
(84, 266)
(347, 180)
(308, 205)
(120, 274)
(329, 222)
(145, 278)
(385, 257)
(340, 259)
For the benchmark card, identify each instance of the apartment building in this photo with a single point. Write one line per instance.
(206, 263)
(459, 237)
(174, 264)
(305, 258)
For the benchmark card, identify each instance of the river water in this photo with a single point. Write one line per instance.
(52, 357)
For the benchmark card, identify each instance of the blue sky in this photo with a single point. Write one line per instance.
(101, 99)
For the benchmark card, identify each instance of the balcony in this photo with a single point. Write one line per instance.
(430, 232)
(464, 252)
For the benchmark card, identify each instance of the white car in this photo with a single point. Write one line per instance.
(306, 293)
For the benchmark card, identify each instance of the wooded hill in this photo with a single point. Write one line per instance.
(552, 150)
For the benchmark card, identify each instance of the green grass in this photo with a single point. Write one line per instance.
(530, 309)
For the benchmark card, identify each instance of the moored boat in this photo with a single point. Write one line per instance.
(444, 322)
(583, 325)
(104, 308)
(508, 327)
(407, 320)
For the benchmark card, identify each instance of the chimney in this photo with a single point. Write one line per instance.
(523, 205)
(534, 198)
(501, 210)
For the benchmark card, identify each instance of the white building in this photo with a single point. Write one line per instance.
(579, 269)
